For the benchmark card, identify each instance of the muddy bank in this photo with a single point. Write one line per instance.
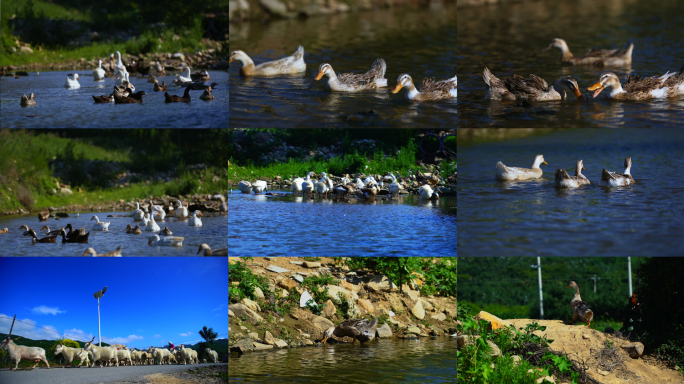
(256, 325)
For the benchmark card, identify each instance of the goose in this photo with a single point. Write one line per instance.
(328, 181)
(72, 83)
(127, 83)
(138, 214)
(145, 220)
(194, 220)
(131, 230)
(394, 187)
(166, 231)
(185, 79)
(99, 225)
(259, 187)
(504, 173)
(359, 183)
(91, 252)
(297, 184)
(345, 180)
(182, 211)
(322, 186)
(98, 73)
(119, 68)
(27, 101)
(308, 185)
(152, 225)
(425, 192)
(172, 241)
(178, 99)
(159, 211)
(209, 252)
(614, 179)
(245, 186)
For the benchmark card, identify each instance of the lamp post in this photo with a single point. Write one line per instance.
(97, 295)
(541, 296)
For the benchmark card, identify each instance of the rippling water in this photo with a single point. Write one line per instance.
(508, 39)
(212, 232)
(431, 360)
(534, 218)
(420, 42)
(294, 225)
(58, 107)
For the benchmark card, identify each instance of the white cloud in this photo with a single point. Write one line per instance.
(219, 308)
(121, 340)
(77, 334)
(27, 328)
(186, 334)
(45, 310)
(156, 336)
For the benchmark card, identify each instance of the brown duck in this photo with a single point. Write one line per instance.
(49, 239)
(580, 309)
(74, 239)
(135, 231)
(159, 88)
(133, 98)
(104, 99)
(177, 99)
(43, 216)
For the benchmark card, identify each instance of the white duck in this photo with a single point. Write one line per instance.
(194, 220)
(152, 225)
(127, 83)
(394, 187)
(99, 225)
(245, 186)
(181, 211)
(185, 79)
(308, 185)
(72, 83)
(98, 73)
(297, 184)
(173, 241)
(322, 186)
(145, 220)
(138, 214)
(425, 192)
(119, 68)
(330, 183)
(259, 187)
(359, 183)
(506, 173)
(158, 210)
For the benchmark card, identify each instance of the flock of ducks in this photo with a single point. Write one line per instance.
(534, 88)
(562, 179)
(123, 92)
(147, 222)
(349, 82)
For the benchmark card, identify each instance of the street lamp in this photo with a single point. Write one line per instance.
(97, 295)
(541, 296)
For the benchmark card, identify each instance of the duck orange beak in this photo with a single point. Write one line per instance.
(584, 169)
(397, 88)
(545, 162)
(578, 93)
(320, 74)
(597, 88)
(230, 61)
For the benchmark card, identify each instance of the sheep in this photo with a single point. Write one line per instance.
(212, 354)
(160, 354)
(101, 354)
(69, 353)
(122, 355)
(18, 352)
(189, 354)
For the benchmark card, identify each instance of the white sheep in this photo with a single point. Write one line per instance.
(101, 354)
(212, 354)
(69, 353)
(18, 352)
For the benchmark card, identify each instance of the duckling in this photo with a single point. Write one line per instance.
(27, 101)
(177, 99)
(159, 88)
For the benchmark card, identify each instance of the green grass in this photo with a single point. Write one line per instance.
(54, 11)
(501, 311)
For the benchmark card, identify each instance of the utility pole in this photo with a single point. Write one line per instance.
(629, 271)
(594, 278)
(541, 295)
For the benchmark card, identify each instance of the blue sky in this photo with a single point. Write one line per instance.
(149, 300)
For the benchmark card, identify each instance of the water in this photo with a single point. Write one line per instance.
(212, 232)
(284, 226)
(428, 360)
(528, 218)
(421, 42)
(58, 107)
(508, 39)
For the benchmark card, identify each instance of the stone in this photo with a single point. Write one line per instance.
(380, 283)
(26, 50)
(586, 336)
(311, 264)
(243, 328)
(258, 293)
(305, 298)
(298, 278)
(414, 330)
(418, 311)
(334, 292)
(274, 7)
(268, 338)
(494, 351)
(349, 286)
(242, 346)
(604, 373)
(329, 309)
(280, 343)
(322, 323)
(253, 335)
(366, 305)
(242, 310)
(296, 262)
(307, 342)
(66, 191)
(439, 316)
(381, 312)
(546, 379)
(426, 305)
(435, 332)
(413, 295)
(516, 360)
(635, 350)
(495, 322)
(251, 305)
(287, 283)
(261, 347)
(230, 313)
(384, 331)
(410, 336)
(276, 269)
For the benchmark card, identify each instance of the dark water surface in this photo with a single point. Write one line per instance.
(428, 360)
(294, 225)
(420, 42)
(59, 107)
(212, 232)
(508, 39)
(528, 218)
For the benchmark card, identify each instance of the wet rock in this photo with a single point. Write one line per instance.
(410, 337)
(413, 330)
(280, 343)
(307, 342)
(261, 347)
(242, 346)
(275, 7)
(384, 331)
(435, 331)
(635, 350)
(329, 309)
(241, 310)
(418, 310)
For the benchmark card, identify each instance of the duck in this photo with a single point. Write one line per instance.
(182, 211)
(296, 185)
(308, 185)
(91, 252)
(171, 241)
(359, 183)
(72, 83)
(152, 225)
(166, 231)
(78, 238)
(345, 179)
(504, 173)
(593, 56)
(133, 98)
(132, 67)
(425, 192)
(27, 101)
(120, 77)
(328, 181)
(636, 88)
(121, 91)
(72, 233)
(43, 215)
(369, 192)
(285, 66)
(215, 252)
(395, 187)
(49, 239)
(152, 79)
(194, 220)
(51, 233)
(127, 83)
(350, 82)
(5, 230)
(207, 95)
(344, 189)
(160, 69)
(200, 86)
(99, 73)
(138, 214)
(177, 99)
(580, 309)
(183, 78)
(159, 88)
(613, 179)
(203, 76)
(362, 330)
(104, 99)
(119, 67)
(141, 68)
(322, 186)
(158, 210)
(259, 187)
(429, 90)
(533, 89)
(563, 180)
(134, 231)
(183, 83)
(99, 225)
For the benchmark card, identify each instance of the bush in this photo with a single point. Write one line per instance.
(238, 272)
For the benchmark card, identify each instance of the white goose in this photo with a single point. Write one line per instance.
(185, 79)
(127, 83)
(119, 68)
(98, 73)
(181, 211)
(152, 225)
(145, 220)
(297, 184)
(99, 225)
(425, 192)
(194, 220)
(121, 77)
(394, 187)
(138, 214)
(359, 183)
(72, 83)
(330, 183)
(322, 186)
(173, 241)
(245, 186)
(158, 210)
(259, 187)
(308, 185)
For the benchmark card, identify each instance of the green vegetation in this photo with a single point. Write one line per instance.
(240, 273)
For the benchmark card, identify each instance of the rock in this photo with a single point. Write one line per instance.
(418, 311)
(353, 312)
(275, 269)
(299, 278)
(435, 332)
(307, 342)
(381, 312)
(268, 338)
(366, 305)
(242, 346)
(251, 305)
(274, 7)
(349, 287)
(426, 305)
(495, 351)
(334, 292)
(410, 336)
(258, 293)
(243, 328)
(253, 335)
(66, 191)
(383, 332)
(242, 310)
(495, 322)
(414, 330)
(604, 373)
(305, 298)
(261, 347)
(296, 262)
(439, 316)
(329, 309)
(379, 283)
(516, 360)
(635, 350)
(322, 323)
(280, 343)
(413, 295)
(287, 284)
(586, 336)
(230, 313)
(26, 50)
(311, 264)
(546, 379)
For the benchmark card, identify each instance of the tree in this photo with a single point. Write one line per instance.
(208, 334)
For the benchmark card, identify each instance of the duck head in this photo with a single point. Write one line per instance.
(538, 160)
(607, 81)
(325, 69)
(404, 80)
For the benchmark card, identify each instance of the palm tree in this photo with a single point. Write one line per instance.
(208, 334)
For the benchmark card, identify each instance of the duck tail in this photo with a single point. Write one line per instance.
(379, 66)
(488, 76)
(501, 167)
(299, 53)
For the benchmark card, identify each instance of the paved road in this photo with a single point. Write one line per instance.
(84, 375)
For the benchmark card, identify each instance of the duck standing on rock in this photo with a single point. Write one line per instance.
(362, 330)
(580, 309)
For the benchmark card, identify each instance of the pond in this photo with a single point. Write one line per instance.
(295, 225)
(509, 38)
(212, 232)
(428, 360)
(59, 107)
(528, 218)
(421, 42)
